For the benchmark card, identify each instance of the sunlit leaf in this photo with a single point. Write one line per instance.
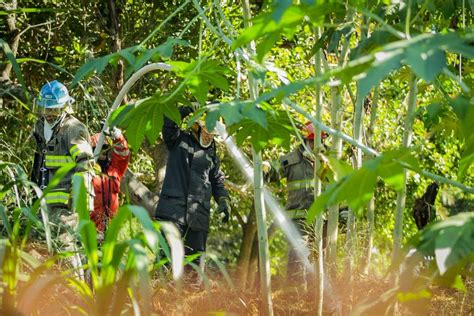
(425, 61)
(385, 62)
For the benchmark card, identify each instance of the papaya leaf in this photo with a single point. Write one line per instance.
(145, 118)
(121, 115)
(136, 129)
(200, 75)
(339, 167)
(318, 206)
(427, 62)
(450, 241)
(96, 65)
(128, 55)
(449, 246)
(390, 166)
(277, 131)
(164, 51)
(385, 62)
(266, 45)
(356, 189)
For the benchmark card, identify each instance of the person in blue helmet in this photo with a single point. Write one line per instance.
(60, 139)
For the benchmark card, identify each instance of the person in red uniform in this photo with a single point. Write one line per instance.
(113, 162)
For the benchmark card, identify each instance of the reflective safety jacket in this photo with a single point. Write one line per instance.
(107, 185)
(299, 172)
(69, 143)
(193, 175)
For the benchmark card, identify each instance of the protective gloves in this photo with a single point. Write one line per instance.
(113, 132)
(223, 206)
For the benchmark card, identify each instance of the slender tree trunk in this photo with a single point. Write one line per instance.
(249, 230)
(117, 45)
(14, 36)
(264, 266)
(371, 205)
(401, 195)
(357, 163)
(318, 226)
(333, 211)
(336, 123)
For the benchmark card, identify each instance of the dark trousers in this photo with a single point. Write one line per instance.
(194, 241)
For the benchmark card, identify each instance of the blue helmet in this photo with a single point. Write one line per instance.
(54, 95)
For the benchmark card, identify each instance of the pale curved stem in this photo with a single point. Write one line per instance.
(118, 100)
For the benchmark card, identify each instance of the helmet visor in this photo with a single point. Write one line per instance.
(42, 111)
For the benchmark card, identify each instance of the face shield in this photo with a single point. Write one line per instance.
(51, 114)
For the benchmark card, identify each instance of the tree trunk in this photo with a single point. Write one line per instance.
(249, 230)
(318, 225)
(264, 260)
(253, 262)
(371, 205)
(401, 195)
(14, 37)
(117, 45)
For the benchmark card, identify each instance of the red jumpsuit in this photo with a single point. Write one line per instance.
(107, 185)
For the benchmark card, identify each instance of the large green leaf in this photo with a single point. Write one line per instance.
(164, 50)
(427, 62)
(450, 241)
(277, 131)
(136, 57)
(269, 26)
(96, 65)
(356, 188)
(385, 62)
(200, 75)
(145, 118)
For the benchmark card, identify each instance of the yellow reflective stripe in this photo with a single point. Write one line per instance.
(300, 184)
(57, 197)
(75, 151)
(80, 148)
(57, 161)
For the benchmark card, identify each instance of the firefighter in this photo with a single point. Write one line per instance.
(298, 168)
(192, 176)
(111, 166)
(61, 139)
